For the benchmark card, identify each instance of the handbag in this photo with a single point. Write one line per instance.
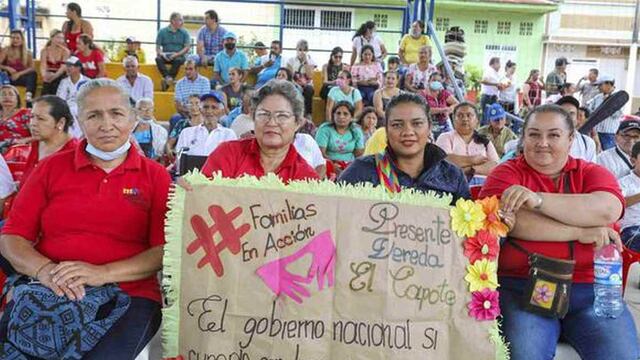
(48, 326)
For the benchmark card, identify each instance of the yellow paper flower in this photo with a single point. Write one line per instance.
(482, 275)
(492, 222)
(467, 217)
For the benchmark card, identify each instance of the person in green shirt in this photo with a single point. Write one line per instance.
(496, 131)
(341, 140)
(172, 43)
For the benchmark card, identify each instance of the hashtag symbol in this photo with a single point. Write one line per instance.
(222, 223)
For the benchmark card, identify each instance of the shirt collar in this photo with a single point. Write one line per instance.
(571, 165)
(432, 155)
(82, 158)
(288, 161)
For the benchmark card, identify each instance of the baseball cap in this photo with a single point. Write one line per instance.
(130, 39)
(568, 99)
(495, 112)
(259, 45)
(562, 61)
(436, 85)
(72, 60)
(605, 78)
(212, 95)
(631, 124)
(230, 35)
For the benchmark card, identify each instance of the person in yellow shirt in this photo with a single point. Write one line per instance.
(377, 143)
(411, 43)
(132, 48)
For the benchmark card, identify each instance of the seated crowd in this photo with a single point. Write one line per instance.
(396, 123)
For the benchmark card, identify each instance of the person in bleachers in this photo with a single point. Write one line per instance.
(52, 58)
(235, 89)
(441, 103)
(151, 136)
(210, 39)
(366, 35)
(583, 115)
(383, 95)
(194, 118)
(343, 91)
(138, 84)
(308, 148)
(368, 122)
(172, 43)
(192, 83)
(50, 122)
(367, 75)
(509, 93)
(75, 26)
(417, 77)
(269, 64)
(243, 124)
(496, 131)
(583, 147)
(341, 140)
(7, 183)
(606, 129)
(70, 85)
(331, 70)
(411, 43)
(261, 50)
(92, 217)
(414, 160)
(91, 57)
(630, 186)
(230, 57)
(302, 67)
(490, 86)
(16, 60)
(131, 48)
(393, 64)
(14, 120)
(618, 159)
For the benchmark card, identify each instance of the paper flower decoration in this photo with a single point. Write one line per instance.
(482, 246)
(482, 274)
(467, 217)
(492, 222)
(484, 305)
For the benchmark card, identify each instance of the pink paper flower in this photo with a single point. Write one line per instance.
(482, 246)
(484, 305)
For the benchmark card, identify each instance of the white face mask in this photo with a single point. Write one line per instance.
(108, 155)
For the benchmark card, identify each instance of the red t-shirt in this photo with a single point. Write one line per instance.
(32, 160)
(585, 177)
(90, 62)
(242, 157)
(74, 210)
(17, 126)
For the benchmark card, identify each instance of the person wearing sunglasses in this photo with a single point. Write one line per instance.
(331, 71)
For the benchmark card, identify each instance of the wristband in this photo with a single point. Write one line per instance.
(42, 267)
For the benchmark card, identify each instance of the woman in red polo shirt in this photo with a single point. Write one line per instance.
(95, 216)
(278, 112)
(539, 187)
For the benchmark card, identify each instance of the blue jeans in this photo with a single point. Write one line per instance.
(126, 338)
(631, 237)
(534, 337)
(607, 140)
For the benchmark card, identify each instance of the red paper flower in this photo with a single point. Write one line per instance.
(482, 246)
(484, 305)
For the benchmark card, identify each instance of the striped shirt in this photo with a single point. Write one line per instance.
(610, 124)
(186, 87)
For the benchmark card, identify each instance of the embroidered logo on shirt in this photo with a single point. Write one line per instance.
(131, 191)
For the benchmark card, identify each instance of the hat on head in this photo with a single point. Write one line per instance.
(212, 95)
(229, 35)
(496, 112)
(568, 99)
(130, 39)
(72, 60)
(603, 78)
(562, 61)
(436, 85)
(631, 124)
(259, 45)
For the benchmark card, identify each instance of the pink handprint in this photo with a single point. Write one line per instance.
(276, 276)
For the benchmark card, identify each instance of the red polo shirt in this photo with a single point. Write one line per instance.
(586, 177)
(33, 159)
(74, 210)
(242, 157)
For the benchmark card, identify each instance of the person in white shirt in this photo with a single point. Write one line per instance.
(618, 158)
(630, 186)
(302, 67)
(308, 148)
(150, 136)
(202, 139)
(139, 85)
(366, 35)
(583, 146)
(68, 89)
(490, 88)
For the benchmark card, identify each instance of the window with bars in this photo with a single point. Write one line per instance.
(339, 20)
(526, 28)
(480, 26)
(299, 18)
(442, 24)
(381, 20)
(504, 27)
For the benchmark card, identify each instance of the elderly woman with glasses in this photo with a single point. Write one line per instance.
(278, 111)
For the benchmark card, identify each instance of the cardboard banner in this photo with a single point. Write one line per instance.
(259, 270)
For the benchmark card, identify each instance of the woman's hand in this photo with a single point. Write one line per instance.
(517, 196)
(46, 278)
(78, 273)
(508, 218)
(600, 236)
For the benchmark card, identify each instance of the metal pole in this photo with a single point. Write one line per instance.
(432, 10)
(281, 37)
(416, 4)
(445, 62)
(158, 15)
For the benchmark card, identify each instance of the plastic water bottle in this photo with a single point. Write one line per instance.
(607, 269)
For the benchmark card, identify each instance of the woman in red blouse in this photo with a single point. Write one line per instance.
(91, 57)
(93, 216)
(14, 121)
(17, 61)
(75, 26)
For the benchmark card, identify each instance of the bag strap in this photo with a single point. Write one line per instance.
(386, 174)
(624, 158)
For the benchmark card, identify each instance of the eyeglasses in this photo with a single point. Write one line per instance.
(280, 117)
